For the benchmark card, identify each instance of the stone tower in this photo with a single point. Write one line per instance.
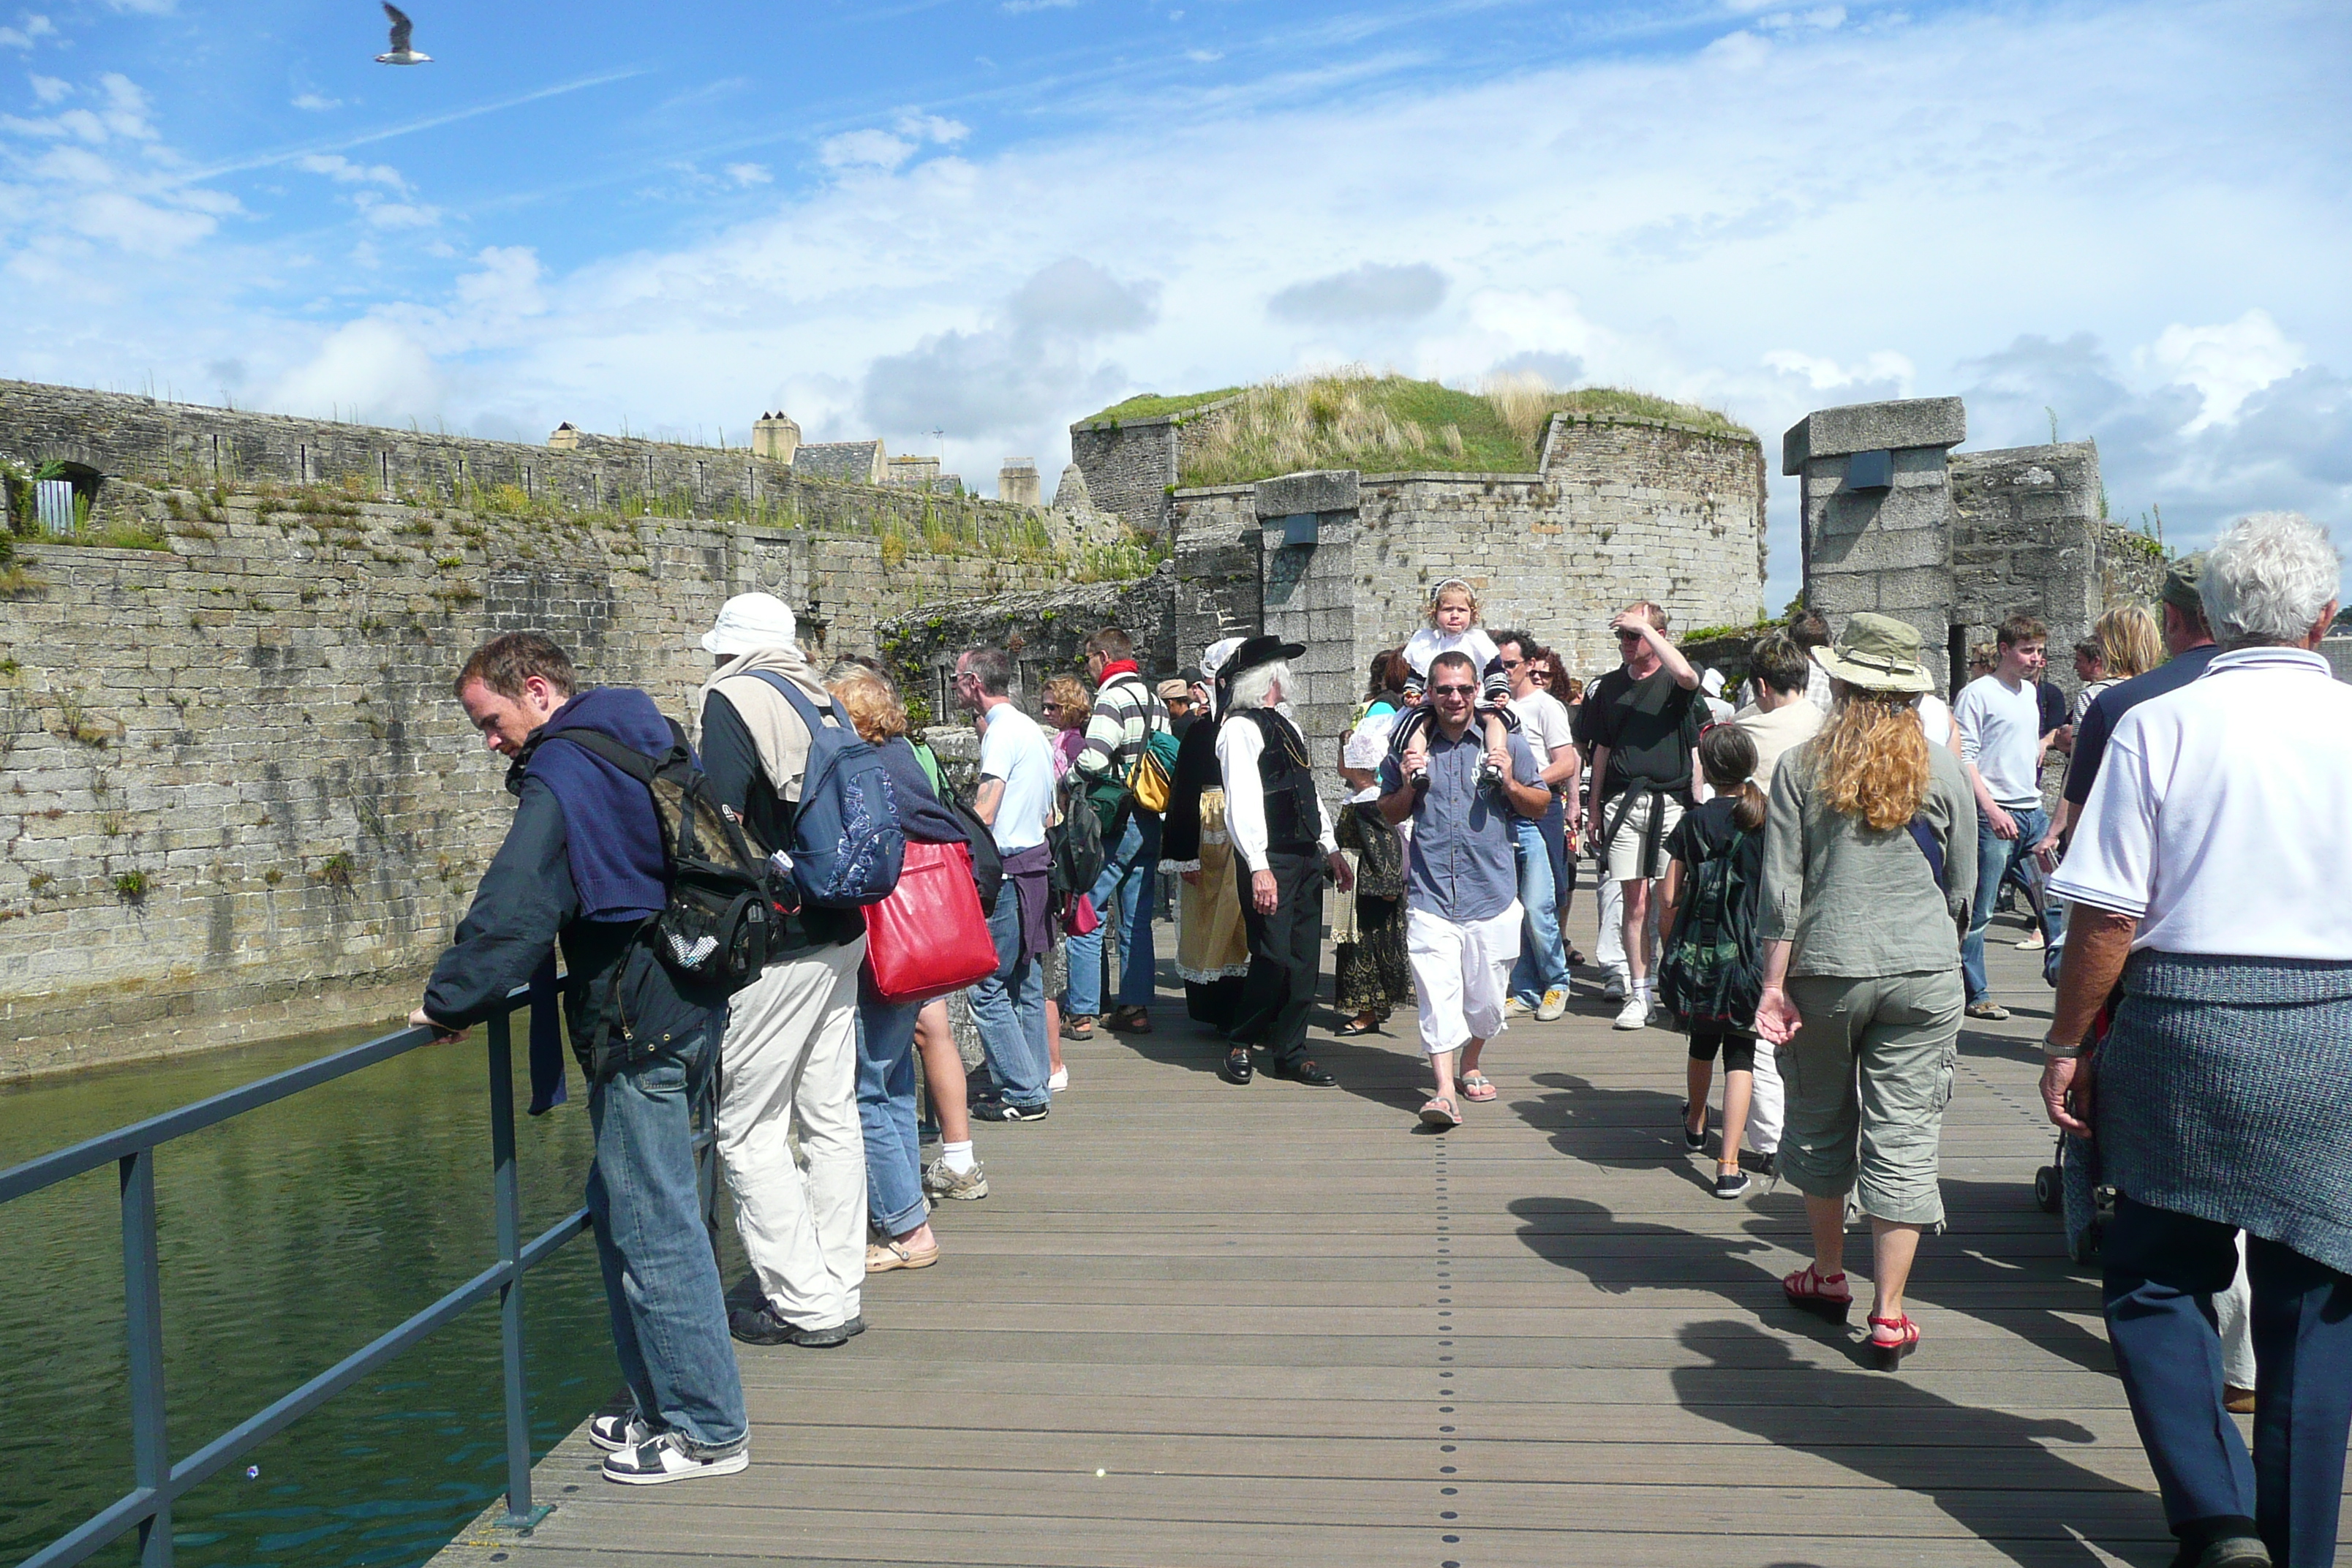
(1017, 483)
(775, 435)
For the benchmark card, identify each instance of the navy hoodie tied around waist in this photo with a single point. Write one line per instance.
(611, 838)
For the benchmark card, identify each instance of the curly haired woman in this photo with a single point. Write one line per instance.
(1870, 854)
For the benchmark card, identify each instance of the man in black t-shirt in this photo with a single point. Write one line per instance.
(1639, 724)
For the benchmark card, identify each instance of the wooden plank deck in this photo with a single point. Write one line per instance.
(1196, 1324)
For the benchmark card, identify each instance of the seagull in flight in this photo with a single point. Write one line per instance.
(401, 55)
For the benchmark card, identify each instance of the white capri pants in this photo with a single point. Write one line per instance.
(1460, 974)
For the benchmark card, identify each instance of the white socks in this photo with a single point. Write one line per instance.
(959, 1157)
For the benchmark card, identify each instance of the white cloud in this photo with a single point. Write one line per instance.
(2226, 364)
(29, 30)
(934, 128)
(315, 103)
(144, 7)
(864, 149)
(368, 369)
(49, 88)
(382, 214)
(748, 175)
(343, 172)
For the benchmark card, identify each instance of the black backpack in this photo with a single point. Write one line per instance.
(1709, 974)
(723, 908)
(1077, 842)
(987, 860)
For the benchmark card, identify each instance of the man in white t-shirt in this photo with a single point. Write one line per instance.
(1999, 720)
(1015, 799)
(1540, 977)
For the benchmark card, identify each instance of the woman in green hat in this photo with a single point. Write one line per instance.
(1869, 861)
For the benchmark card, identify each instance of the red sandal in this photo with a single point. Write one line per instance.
(1826, 1296)
(1887, 1355)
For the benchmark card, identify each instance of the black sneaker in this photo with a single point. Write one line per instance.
(618, 1425)
(1730, 1184)
(1005, 1110)
(664, 1458)
(1693, 1142)
(761, 1326)
(1768, 1165)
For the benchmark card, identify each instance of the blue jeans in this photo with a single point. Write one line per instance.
(1125, 884)
(886, 1110)
(1995, 858)
(1008, 1008)
(661, 1277)
(2162, 1271)
(1543, 956)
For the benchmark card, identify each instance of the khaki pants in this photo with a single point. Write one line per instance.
(789, 1065)
(1867, 1077)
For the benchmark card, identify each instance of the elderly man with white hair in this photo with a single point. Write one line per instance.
(2211, 879)
(1283, 853)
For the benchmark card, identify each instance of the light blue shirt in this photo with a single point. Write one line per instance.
(1465, 862)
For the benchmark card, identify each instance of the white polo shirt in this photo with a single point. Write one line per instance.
(2223, 815)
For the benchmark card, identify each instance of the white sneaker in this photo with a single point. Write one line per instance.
(1515, 1008)
(1613, 987)
(1635, 1014)
(1555, 1003)
(618, 1425)
(2032, 943)
(664, 1458)
(1058, 1081)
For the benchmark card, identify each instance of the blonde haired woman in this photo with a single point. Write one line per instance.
(1869, 826)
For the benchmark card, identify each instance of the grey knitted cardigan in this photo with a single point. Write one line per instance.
(2224, 1091)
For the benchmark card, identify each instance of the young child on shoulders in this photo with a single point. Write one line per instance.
(1711, 975)
(1454, 629)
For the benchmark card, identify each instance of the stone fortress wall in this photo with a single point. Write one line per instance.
(1953, 541)
(237, 797)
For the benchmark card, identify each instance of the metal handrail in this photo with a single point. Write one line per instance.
(158, 1482)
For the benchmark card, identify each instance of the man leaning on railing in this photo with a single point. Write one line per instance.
(582, 865)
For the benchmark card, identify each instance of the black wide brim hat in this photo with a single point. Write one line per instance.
(1254, 653)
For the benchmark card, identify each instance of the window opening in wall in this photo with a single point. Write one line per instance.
(63, 497)
(1956, 654)
(302, 463)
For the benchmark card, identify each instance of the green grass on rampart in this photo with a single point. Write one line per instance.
(1387, 423)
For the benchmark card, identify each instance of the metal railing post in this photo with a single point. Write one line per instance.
(508, 1200)
(143, 1316)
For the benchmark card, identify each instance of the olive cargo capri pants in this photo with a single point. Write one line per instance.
(1868, 1076)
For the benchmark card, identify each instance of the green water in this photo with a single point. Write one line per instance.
(290, 1236)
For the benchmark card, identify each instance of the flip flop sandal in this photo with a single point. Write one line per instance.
(1478, 1087)
(1442, 1112)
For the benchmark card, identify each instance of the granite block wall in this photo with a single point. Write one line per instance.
(237, 798)
(1132, 465)
(2025, 538)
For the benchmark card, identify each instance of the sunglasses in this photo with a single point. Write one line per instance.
(1452, 691)
(1515, 664)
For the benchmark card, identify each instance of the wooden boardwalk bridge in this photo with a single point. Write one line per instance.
(1197, 1324)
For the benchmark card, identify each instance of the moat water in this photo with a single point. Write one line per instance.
(290, 1236)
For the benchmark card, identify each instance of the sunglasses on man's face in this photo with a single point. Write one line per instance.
(1515, 664)
(1452, 691)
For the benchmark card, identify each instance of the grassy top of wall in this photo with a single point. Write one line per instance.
(1151, 405)
(1354, 420)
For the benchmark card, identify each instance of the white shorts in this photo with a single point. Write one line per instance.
(1625, 845)
(1460, 974)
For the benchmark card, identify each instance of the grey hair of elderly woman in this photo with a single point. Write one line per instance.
(2267, 579)
(1255, 688)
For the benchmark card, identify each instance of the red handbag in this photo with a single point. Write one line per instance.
(928, 937)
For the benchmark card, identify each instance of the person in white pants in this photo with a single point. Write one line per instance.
(789, 1063)
(1462, 894)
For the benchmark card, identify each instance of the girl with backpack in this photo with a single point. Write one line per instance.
(1712, 971)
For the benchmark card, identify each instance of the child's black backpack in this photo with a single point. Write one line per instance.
(1709, 973)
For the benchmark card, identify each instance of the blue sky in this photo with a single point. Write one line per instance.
(987, 219)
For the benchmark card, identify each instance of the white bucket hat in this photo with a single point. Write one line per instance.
(750, 621)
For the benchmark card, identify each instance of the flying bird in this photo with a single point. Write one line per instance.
(401, 55)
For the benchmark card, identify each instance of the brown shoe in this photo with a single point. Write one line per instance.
(2240, 1401)
(1127, 1021)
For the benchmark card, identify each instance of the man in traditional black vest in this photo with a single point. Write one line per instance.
(1284, 854)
